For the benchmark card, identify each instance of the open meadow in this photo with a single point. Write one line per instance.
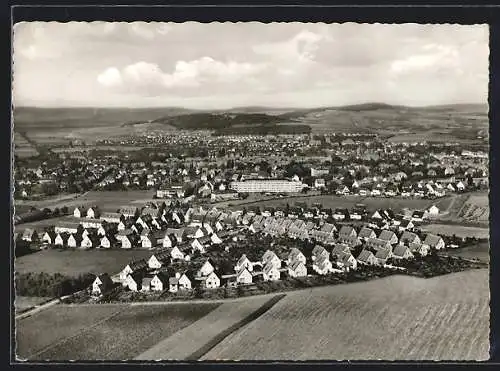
(331, 201)
(395, 318)
(457, 230)
(106, 200)
(101, 332)
(76, 262)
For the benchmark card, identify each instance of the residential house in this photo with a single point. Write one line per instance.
(30, 235)
(244, 277)
(346, 261)
(347, 231)
(159, 282)
(366, 233)
(322, 265)
(270, 257)
(79, 212)
(211, 281)
(405, 225)
(295, 255)
(176, 253)
(409, 237)
(156, 261)
(377, 244)
(146, 284)
(271, 272)
(433, 211)
(388, 236)
(418, 248)
(382, 255)
(102, 284)
(48, 237)
(434, 241)
(205, 269)
(133, 281)
(243, 263)
(92, 212)
(135, 266)
(402, 252)
(319, 252)
(366, 257)
(297, 269)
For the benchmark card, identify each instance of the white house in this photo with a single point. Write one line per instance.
(159, 282)
(105, 242)
(297, 269)
(270, 272)
(205, 269)
(243, 263)
(433, 210)
(244, 277)
(212, 281)
(175, 253)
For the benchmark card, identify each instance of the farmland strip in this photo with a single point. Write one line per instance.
(244, 321)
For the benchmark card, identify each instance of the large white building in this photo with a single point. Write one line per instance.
(267, 185)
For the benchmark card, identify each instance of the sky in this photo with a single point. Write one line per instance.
(223, 65)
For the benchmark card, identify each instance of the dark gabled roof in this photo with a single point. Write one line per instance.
(366, 232)
(364, 255)
(383, 254)
(400, 250)
(386, 235)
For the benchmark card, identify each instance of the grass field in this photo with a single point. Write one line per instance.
(50, 326)
(128, 333)
(330, 201)
(195, 340)
(458, 230)
(395, 318)
(76, 262)
(480, 251)
(107, 200)
(25, 302)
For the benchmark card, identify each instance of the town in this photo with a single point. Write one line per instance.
(204, 224)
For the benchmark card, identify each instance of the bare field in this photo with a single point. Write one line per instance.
(194, 338)
(75, 262)
(458, 230)
(395, 318)
(128, 333)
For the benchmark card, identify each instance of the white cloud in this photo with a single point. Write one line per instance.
(190, 74)
(434, 57)
(111, 77)
(299, 48)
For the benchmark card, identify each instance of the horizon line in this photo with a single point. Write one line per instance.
(248, 106)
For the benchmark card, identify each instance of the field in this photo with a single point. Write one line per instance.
(77, 262)
(107, 200)
(25, 302)
(195, 340)
(102, 332)
(458, 230)
(395, 318)
(475, 209)
(329, 201)
(480, 251)
(23, 148)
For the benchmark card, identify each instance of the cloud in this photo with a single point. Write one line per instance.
(433, 57)
(204, 71)
(111, 77)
